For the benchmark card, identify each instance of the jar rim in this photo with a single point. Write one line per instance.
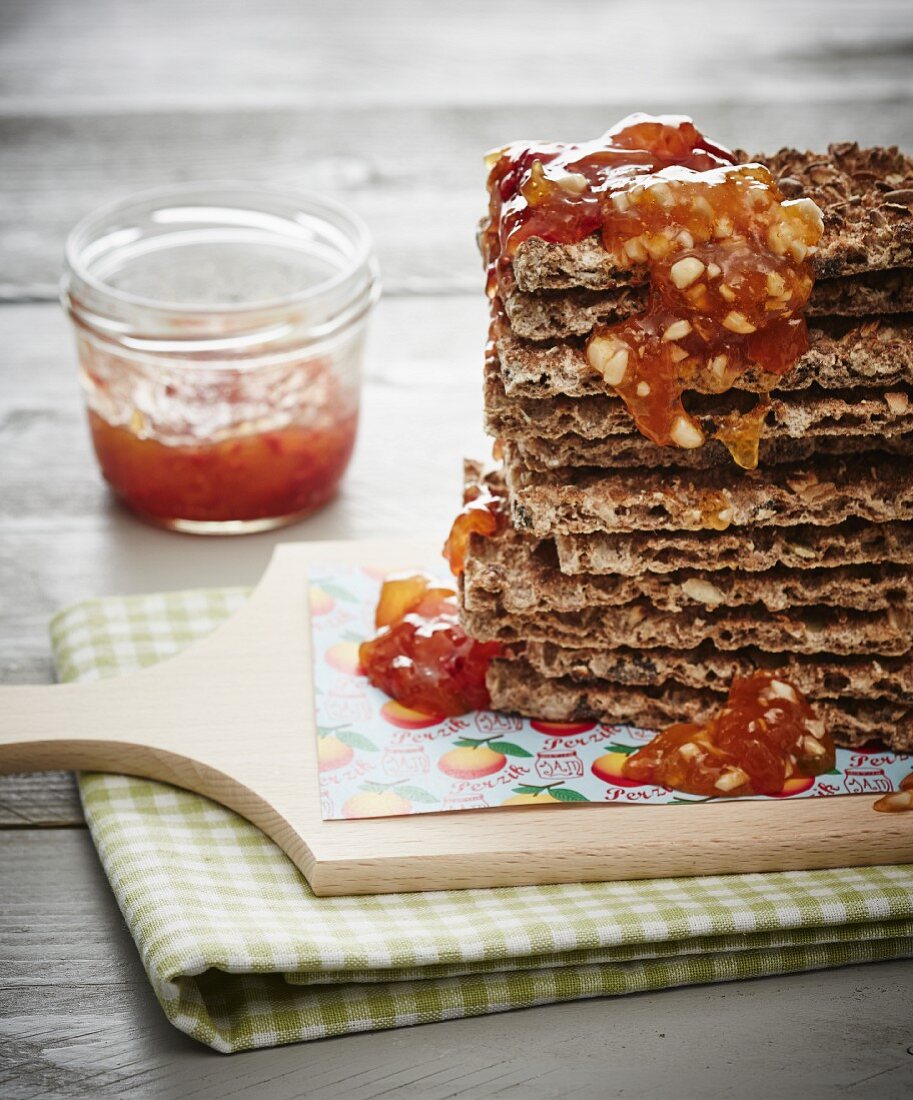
(330, 210)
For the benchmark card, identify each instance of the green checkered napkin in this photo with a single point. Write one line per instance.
(241, 954)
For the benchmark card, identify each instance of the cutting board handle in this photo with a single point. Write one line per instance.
(229, 717)
(171, 721)
(82, 727)
(38, 724)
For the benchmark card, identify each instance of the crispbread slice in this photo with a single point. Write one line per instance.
(584, 500)
(626, 452)
(854, 542)
(519, 576)
(865, 195)
(516, 687)
(640, 625)
(801, 547)
(820, 676)
(799, 414)
(842, 355)
(560, 315)
(598, 430)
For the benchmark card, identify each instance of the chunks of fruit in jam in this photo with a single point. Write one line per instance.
(726, 258)
(405, 592)
(765, 734)
(421, 656)
(481, 515)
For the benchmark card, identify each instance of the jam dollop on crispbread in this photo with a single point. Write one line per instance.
(726, 255)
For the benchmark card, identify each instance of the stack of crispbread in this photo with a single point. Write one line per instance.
(633, 581)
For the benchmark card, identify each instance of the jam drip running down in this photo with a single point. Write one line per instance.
(421, 656)
(765, 736)
(481, 515)
(725, 256)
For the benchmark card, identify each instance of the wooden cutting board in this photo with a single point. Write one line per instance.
(232, 717)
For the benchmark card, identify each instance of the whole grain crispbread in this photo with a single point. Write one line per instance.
(865, 195)
(566, 314)
(749, 549)
(516, 687)
(627, 452)
(520, 576)
(853, 542)
(796, 414)
(640, 625)
(842, 355)
(819, 676)
(584, 500)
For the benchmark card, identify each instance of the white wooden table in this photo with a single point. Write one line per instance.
(388, 106)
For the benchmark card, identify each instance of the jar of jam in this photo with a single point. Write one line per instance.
(220, 331)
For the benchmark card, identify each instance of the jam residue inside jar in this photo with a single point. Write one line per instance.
(765, 736)
(725, 256)
(286, 471)
(421, 656)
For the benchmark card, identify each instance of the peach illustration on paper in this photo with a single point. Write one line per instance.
(474, 758)
(562, 729)
(343, 657)
(336, 747)
(406, 718)
(610, 767)
(555, 794)
(385, 799)
(377, 757)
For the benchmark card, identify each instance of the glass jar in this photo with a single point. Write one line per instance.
(220, 333)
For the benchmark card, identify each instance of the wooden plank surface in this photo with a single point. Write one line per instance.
(135, 56)
(394, 112)
(412, 174)
(390, 106)
(77, 1018)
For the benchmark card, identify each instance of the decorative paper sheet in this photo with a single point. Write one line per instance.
(380, 759)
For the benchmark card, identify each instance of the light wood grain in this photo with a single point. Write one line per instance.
(187, 721)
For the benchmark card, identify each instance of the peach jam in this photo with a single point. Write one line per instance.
(764, 737)
(724, 256)
(421, 656)
(220, 332)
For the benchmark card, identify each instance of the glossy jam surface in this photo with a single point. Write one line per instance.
(421, 656)
(256, 476)
(725, 256)
(481, 515)
(764, 736)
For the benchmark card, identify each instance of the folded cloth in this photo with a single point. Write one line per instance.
(241, 954)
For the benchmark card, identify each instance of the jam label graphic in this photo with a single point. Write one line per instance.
(867, 781)
(558, 762)
(378, 758)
